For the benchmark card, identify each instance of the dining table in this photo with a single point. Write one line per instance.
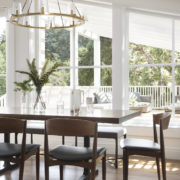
(96, 115)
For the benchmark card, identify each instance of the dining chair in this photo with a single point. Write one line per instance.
(147, 147)
(110, 133)
(86, 157)
(35, 128)
(17, 153)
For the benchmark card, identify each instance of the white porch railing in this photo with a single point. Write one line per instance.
(3, 101)
(161, 95)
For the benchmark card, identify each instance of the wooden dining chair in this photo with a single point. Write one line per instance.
(110, 133)
(17, 153)
(147, 147)
(86, 157)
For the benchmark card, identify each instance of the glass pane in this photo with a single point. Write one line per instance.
(106, 51)
(150, 91)
(86, 77)
(60, 78)
(86, 51)
(2, 86)
(177, 41)
(150, 76)
(106, 77)
(2, 46)
(142, 54)
(57, 46)
(177, 93)
(151, 41)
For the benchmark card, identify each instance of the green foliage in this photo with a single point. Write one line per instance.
(24, 86)
(86, 58)
(86, 77)
(86, 51)
(3, 54)
(106, 51)
(60, 78)
(106, 77)
(2, 63)
(2, 86)
(57, 49)
(40, 80)
(57, 45)
(151, 76)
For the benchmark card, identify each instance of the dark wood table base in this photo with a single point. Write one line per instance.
(87, 176)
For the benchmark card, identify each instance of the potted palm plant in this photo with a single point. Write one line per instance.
(39, 79)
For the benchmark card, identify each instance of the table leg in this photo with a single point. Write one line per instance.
(86, 173)
(7, 140)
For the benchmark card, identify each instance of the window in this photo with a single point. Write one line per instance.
(106, 60)
(2, 56)
(57, 48)
(154, 61)
(86, 60)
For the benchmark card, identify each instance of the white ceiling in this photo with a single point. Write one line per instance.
(152, 31)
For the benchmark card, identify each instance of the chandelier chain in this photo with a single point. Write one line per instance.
(60, 12)
(24, 5)
(30, 6)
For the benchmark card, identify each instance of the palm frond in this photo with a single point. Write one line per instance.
(44, 79)
(40, 80)
(43, 71)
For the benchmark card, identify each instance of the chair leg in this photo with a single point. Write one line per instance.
(63, 140)
(125, 165)
(61, 172)
(31, 138)
(93, 174)
(104, 167)
(158, 167)
(116, 152)
(93, 171)
(16, 138)
(163, 162)
(46, 170)
(21, 169)
(76, 141)
(37, 164)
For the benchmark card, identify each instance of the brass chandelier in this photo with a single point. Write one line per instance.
(26, 14)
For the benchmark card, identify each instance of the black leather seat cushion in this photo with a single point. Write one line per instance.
(140, 144)
(7, 150)
(71, 153)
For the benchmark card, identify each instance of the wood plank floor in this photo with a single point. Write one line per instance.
(139, 169)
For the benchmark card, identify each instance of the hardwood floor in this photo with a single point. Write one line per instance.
(139, 169)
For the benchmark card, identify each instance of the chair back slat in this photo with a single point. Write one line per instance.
(164, 118)
(69, 127)
(12, 125)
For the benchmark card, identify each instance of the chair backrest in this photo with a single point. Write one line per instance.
(69, 127)
(12, 125)
(162, 120)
